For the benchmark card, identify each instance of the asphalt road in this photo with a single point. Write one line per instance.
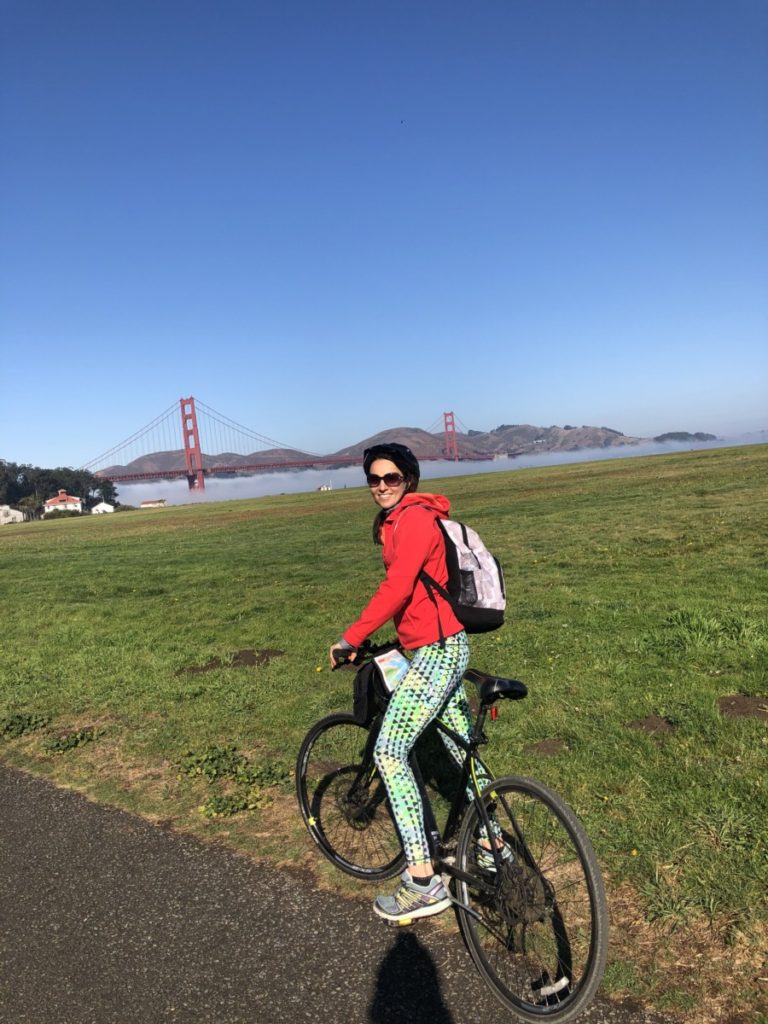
(107, 919)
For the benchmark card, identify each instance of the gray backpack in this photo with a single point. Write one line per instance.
(475, 587)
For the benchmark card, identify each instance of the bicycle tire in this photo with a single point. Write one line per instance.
(343, 800)
(540, 937)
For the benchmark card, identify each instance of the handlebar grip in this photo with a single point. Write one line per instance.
(341, 657)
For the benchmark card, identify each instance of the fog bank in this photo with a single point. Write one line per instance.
(300, 481)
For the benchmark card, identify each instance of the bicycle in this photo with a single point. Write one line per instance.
(536, 924)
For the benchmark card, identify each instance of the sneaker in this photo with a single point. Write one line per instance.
(484, 857)
(412, 901)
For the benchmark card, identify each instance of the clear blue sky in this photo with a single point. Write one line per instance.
(326, 219)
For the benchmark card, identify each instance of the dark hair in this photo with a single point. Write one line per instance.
(402, 457)
(406, 462)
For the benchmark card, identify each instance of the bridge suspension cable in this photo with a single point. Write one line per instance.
(158, 421)
(232, 425)
(220, 434)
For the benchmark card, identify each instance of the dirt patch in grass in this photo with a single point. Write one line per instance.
(738, 705)
(653, 725)
(546, 748)
(240, 659)
(704, 959)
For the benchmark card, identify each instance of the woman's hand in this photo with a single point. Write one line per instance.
(341, 652)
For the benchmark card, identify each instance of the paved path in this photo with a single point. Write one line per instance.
(107, 919)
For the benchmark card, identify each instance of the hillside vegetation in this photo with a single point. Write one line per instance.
(138, 650)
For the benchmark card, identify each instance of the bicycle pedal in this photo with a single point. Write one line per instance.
(447, 882)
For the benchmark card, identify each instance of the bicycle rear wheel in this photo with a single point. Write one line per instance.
(538, 932)
(343, 800)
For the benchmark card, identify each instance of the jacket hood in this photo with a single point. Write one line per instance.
(434, 502)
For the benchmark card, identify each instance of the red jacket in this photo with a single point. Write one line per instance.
(412, 541)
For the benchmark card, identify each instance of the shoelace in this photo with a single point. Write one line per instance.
(407, 897)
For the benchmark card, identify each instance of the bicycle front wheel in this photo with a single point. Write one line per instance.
(537, 930)
(343, 800)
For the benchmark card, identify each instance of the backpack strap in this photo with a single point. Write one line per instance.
(431, 585)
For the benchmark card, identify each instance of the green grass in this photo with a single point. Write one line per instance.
(635, 587)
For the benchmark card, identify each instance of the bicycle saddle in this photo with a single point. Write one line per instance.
(491, 688)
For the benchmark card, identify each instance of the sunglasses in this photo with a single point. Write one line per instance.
(390, 479)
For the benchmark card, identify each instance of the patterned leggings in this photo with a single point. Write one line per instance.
(432, 686)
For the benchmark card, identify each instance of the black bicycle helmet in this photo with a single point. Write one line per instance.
(402, 457)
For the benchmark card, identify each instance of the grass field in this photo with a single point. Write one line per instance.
(637, 602)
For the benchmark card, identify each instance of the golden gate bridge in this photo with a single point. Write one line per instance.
(170, 448)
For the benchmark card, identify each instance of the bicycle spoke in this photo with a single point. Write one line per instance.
(540, 938)
(344, 802)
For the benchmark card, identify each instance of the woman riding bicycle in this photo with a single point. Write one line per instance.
(406, 527)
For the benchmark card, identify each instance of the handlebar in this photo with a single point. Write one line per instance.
(364, 653)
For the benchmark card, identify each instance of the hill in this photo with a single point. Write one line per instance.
(520, 438)
(507, 440)
(683, 435)
(160, 462)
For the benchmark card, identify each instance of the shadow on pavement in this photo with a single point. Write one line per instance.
(407, 987)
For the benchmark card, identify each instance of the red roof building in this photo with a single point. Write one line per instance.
(63, 502)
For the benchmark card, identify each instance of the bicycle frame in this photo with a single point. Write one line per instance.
(437, 841)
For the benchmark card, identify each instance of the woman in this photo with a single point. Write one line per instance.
(406, 526)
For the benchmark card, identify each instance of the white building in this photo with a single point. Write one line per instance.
(153, 503)
(63, 502)
(10, 515)
(101, 508)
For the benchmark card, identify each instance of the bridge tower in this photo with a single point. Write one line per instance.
(450, 447)
(193, 456)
